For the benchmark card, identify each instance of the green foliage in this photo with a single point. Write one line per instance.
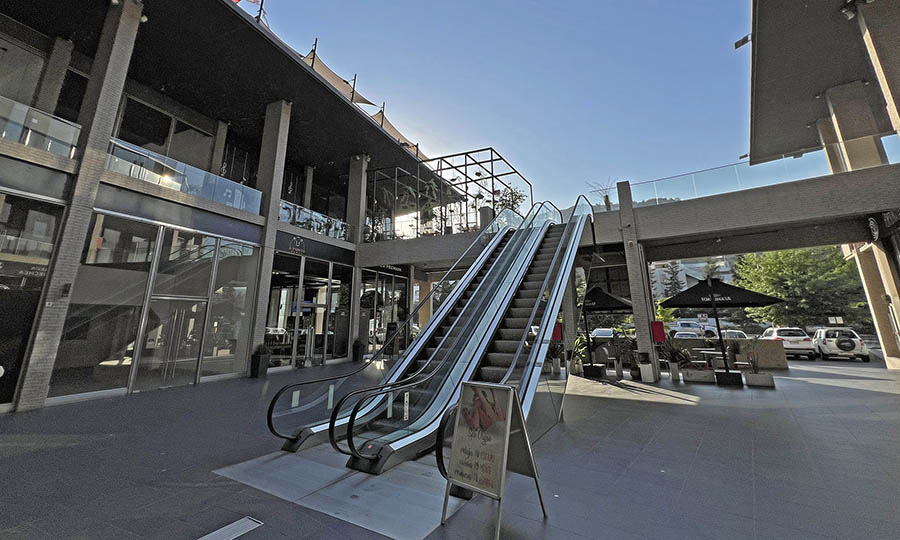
(674, 353)
(511, 198)
(814, 283)
(664, 314)
(672, 284)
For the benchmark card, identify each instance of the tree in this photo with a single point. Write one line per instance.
(814, 283)
(672, 283)
(511, 198)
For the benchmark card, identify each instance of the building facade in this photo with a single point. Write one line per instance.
(163, 214)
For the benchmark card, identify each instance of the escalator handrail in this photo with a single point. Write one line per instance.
(439, 438)
(380, 352)
(575, 207)
(391, 387)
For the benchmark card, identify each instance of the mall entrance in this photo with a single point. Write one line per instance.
(308, 320)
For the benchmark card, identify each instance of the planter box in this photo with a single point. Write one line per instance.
(729, 378)
(698, 375)
(647, 373)
(760, 379)
(674, 371)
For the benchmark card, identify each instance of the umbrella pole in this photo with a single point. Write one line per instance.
(587, 337)
(712, 297)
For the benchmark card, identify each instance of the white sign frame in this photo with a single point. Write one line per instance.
(522, 459)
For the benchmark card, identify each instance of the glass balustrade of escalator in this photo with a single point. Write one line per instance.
(390, 413)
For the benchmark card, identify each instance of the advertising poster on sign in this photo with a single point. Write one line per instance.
(481, 438)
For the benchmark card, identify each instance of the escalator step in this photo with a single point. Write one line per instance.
(499, 359)
(531, 292)
(515, 322)
(523, 302)
(510, 333)
(517, 313)
(505, 345)
(491, 374)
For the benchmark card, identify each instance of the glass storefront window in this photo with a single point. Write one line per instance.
(227, 343)
(369, 303)
(145, 126)
(97, 346)
(28, 231)
(282, 314)
(191, 146)
(185, 264)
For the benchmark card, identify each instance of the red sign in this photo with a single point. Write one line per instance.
(659, 331)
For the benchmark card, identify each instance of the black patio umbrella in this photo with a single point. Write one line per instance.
(596, 300)
(713, 293)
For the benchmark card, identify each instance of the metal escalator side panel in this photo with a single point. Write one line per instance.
(401, 367)
(534, 378)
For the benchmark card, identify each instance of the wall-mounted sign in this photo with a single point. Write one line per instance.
(390, 269)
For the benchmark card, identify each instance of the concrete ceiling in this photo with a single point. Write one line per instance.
(800, 49)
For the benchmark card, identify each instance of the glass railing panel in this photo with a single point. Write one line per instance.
(37, 129)
(864, 152)
(313, 221)
(136, 162)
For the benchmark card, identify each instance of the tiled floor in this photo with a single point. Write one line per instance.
(819, 457)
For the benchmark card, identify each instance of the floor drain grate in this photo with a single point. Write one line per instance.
(233, 530)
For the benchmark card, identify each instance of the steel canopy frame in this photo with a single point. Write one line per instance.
(463, 179)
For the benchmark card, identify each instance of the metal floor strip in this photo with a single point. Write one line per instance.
(233, 530)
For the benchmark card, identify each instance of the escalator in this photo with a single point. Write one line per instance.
(505, 340)
(300, 412)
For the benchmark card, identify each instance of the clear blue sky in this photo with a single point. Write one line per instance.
(569, 93)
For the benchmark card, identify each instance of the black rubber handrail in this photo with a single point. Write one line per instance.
(379, 353)
(391, 387)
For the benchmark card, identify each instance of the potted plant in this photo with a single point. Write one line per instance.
(693, 374)
(645, 367)
(677, 357)
(754, 377)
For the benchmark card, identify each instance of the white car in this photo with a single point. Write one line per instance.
(686, 335)
(734, 334)
(841, 342)
(686, 326)
(795, 340)
(602, 333)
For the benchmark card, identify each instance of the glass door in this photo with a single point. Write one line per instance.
(282, 328)
(171, 343)
(314, 306)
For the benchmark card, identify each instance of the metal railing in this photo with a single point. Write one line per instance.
(132, 160)
(314, 221)
(37, 129)
(17, 245)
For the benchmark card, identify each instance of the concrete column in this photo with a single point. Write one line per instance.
(638, 278)
(891, 284)
(97, 117)
(855, 126)
(272, 154)
(307, 186)
(873, 286)
(356, 197)
(880, 26)
(355, 297)
(218, 154)
(829, 140)
(53, 76)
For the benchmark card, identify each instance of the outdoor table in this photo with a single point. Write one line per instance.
(701, 364)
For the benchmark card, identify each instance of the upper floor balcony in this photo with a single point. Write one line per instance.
(132, 160)
(865, 152)
(314, 221)
(28, 126)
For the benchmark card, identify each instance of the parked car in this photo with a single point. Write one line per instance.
(602, 333)
(795, 340)
(734, 334)
(685, 335)
(686, 326)
(841, 342)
